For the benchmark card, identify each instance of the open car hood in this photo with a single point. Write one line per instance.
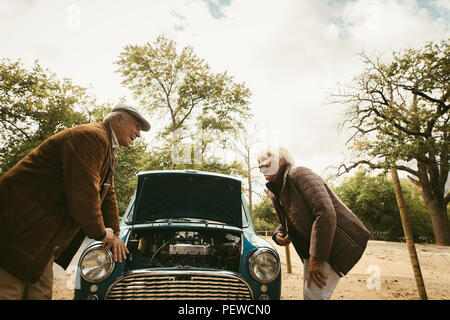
(187, 194)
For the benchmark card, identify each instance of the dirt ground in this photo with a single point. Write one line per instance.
(383, 273)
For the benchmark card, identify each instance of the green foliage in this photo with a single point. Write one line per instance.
(182, 86)
(399, 111)
(193, 104)
(197, 108)
(128, 164)
(34, 105)
(372, 199)
(264, 216)
(200, 111)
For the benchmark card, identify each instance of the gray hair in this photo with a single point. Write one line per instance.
(112, 115)
(281, 152)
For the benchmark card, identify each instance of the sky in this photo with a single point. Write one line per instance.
(290, 53)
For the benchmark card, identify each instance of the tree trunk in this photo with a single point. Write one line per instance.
(439, 221)
(250, 196)
(372, 231)
(288, 258)
(409, 236)
(433, 195)
(250, 189)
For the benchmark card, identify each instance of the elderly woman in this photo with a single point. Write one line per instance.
(327, 236)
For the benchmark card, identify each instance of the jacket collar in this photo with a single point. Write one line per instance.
(110, 133)
(285, 175)
(107, 128)
(114, 143)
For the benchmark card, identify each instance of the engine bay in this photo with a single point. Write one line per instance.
(201, 248)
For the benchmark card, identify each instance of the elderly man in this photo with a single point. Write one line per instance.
(327, 236)
(56, 195)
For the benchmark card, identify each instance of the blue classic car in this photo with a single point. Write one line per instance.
(190, 236)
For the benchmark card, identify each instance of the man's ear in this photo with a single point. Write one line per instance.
(119, 119)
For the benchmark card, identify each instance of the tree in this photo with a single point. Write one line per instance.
(399, 114)
(194, 104)
(33, 106)
(130, 161)
(264, 215)
(373, 200)
(244, 144)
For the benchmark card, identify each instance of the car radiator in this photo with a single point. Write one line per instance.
(179, 285)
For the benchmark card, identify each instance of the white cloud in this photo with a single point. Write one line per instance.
(289, 53)
(443, 4)
(390, 25)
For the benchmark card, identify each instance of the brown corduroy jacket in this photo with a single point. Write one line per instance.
(52, 193)
(318, 222)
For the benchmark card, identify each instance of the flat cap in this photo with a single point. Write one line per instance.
(134, 113)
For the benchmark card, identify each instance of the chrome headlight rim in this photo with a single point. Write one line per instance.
(252, 261)
(97, 246)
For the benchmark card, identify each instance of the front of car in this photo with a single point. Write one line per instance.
(190, 236)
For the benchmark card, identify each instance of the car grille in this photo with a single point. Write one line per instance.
(179, 285)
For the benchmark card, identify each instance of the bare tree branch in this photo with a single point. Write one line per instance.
(372, 165)
(416, 182)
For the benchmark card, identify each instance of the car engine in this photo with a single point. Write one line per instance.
(216, 249)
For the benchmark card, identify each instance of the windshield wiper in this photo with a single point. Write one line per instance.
(172, 220)
(169, 220)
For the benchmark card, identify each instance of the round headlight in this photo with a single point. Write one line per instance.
(96, 264)
(264, 265)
